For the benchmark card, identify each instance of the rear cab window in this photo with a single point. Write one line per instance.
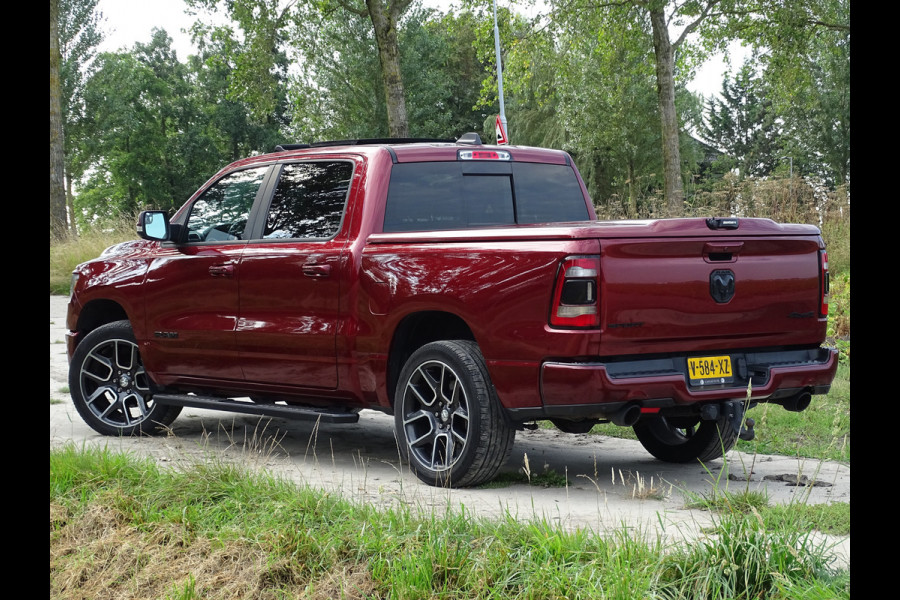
(432, 196)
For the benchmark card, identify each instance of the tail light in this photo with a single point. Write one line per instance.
(576, 301)
(824, 283)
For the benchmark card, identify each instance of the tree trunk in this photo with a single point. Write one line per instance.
(70, 203)
(632, 192)
(57, 161)
(665, 86)
(384, 21)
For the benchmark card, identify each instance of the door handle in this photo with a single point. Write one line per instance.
(316, 270)
(226, 270)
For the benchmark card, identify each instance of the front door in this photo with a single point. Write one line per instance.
(191, 289)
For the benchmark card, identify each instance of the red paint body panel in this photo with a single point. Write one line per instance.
(319, 318)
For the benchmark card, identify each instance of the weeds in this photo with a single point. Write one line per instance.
(547, 478)
(743, 559)
(743, 502)
(641, 489)
(122, 526)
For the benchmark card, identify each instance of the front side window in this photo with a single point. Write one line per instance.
(220, 214)
(309, 200)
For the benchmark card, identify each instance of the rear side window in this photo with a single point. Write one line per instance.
(309, 200)
(461, 195)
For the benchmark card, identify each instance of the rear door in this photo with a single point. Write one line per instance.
(291, 279)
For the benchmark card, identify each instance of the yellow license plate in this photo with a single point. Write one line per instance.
(708, 370)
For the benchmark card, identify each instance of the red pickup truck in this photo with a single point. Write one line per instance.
(468, 290)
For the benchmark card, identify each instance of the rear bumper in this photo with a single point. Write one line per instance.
(598, 389)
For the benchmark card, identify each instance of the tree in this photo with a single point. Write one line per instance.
(337, 95)
(57, 186)
(584, 81)
(147, 135)
(657, 17)
(807, 67)
(443, 73)
(385, 18)
(258, 63)
(264, 25)
(743, 124)
(233, 128)
(79, 36)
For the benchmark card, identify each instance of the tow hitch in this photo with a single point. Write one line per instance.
(734, 412)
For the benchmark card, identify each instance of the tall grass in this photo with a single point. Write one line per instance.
(795, 200)
(122, 527)
(67, 253)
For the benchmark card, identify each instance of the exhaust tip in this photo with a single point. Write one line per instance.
(798, 403)
(626, 416)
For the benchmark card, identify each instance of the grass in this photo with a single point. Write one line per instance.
(63, 390)
(122, 527)
(831, 518)
(68, 253)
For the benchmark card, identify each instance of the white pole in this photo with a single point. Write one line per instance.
(499, 73)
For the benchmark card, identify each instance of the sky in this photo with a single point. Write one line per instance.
(130, 21)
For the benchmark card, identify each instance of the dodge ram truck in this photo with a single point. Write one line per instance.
(468, 290)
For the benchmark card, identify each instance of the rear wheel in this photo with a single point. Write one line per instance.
(110, 388)
(447, 416)
(685, 439)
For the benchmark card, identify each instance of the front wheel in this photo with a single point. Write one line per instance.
(685, 439)
(110, 388)
(447, 416)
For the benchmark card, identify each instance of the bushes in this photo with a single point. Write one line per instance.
(796, 200)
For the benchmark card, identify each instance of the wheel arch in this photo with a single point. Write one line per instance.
(99, 312)
(414, 331)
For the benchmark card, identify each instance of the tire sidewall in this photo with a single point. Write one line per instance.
(158, 415)
(710, 441)
(474, 383)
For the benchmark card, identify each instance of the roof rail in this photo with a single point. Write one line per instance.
(283, 147)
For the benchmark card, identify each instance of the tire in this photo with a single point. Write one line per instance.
(448, 418)
(685, 439)
(110, 388)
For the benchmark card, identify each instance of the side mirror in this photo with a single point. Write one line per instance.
(153, 225)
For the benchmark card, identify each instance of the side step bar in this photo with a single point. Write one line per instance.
(287, 411)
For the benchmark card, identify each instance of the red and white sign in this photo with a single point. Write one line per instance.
(501, 133)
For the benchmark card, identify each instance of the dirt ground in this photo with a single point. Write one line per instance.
(611, 482)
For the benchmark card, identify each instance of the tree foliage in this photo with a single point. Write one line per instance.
(145, 129)
(158, 127)
(743, 125)
(803, 49)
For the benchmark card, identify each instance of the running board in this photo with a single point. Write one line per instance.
(287, 411)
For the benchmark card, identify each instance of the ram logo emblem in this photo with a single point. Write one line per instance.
(721, 285)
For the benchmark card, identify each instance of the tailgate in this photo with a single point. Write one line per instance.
(688, 294)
